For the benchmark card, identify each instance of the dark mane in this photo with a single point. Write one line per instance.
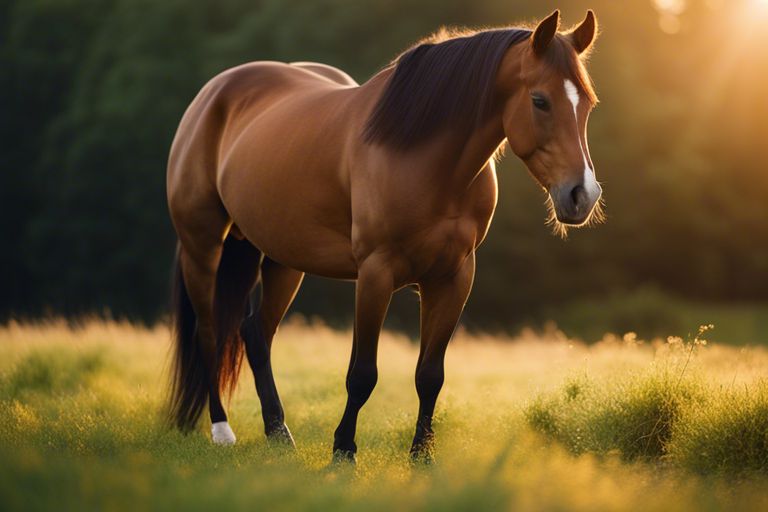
(447, 81)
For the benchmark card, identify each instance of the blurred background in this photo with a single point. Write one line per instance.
(91, 92)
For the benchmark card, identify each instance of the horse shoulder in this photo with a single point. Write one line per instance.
(483, 197)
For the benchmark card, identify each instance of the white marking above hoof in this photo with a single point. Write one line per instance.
(222, 434)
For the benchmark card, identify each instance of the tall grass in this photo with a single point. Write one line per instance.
(664, 412)
(614, 427)
(726, 434)
(632, 416)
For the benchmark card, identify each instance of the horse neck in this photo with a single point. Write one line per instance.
(479, 147)
(462, 156)
(454, 161)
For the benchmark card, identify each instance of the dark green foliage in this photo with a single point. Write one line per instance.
(634, 417)
(657, 416)
(91, 92)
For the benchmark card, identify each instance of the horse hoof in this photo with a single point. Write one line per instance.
(222, 434)
(281, 436)
(344, 457)
(423, 457)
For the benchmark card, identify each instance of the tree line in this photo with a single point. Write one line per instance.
(92, 91)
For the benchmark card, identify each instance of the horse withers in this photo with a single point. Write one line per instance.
(280, 169)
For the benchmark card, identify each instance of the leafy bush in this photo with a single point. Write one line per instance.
(662, 413)
(634, 417)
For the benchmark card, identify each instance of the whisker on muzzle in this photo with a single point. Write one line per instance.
(596, 216)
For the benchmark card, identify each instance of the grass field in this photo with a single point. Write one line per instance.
(531, 423)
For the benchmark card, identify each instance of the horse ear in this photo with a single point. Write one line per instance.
(544, 32)
(583, 36)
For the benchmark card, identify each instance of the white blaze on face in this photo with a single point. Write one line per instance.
(590, 183)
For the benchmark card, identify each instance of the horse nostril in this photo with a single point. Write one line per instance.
(578, 196)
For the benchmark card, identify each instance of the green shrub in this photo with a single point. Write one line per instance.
(635, 416)
(726, 434)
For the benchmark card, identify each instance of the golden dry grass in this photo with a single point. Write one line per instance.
(80, 426)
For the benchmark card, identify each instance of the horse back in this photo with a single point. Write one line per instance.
(225, 107)
(329, 72)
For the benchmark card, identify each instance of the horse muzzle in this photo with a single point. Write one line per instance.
(574, 202)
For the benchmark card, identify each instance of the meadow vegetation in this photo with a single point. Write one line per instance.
(534, 422)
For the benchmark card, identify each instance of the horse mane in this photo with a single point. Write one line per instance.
(446, 80)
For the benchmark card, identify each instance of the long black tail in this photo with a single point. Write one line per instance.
(236, 276)
(189, 387)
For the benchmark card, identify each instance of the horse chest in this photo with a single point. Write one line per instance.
(434, 248)
(447, 245)
(428, 232)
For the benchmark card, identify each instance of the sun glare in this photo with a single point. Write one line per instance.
(670, 11)
(760, 5)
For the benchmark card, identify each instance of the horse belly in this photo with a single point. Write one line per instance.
(292, 212)
(314, 250)
(334, 261)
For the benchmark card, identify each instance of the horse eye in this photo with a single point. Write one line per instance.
(540, 102)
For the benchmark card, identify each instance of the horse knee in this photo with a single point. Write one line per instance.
(361, 382)
(429, 381)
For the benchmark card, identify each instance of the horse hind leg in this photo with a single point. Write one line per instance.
(279, 285)
(237, 275)
(213, 285)
(195, 360)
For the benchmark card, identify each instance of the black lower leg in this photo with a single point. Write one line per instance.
(373, 292)
(361, 379)
(257, 348)
(429, 381)
(344, 437)
(215, 408)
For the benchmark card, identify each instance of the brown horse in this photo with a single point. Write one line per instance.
(281, 169)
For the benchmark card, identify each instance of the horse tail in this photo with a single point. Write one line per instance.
(189, 387)
(236, 277)
(192, 380)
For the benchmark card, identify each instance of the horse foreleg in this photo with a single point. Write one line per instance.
(278, 288)
(373, 293)
(442, 302)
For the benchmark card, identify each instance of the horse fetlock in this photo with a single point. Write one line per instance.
(343, 441)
